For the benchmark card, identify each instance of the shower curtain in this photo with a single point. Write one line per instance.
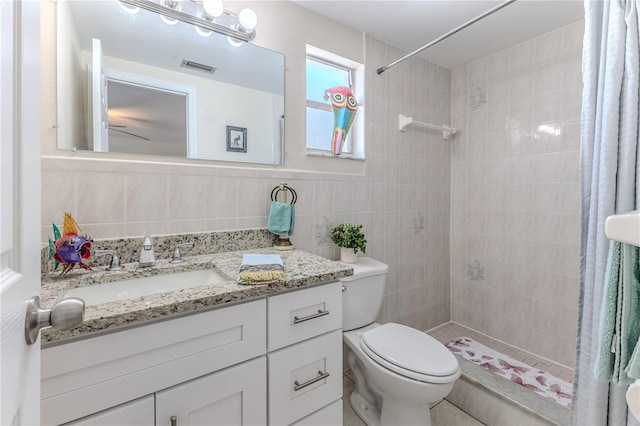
(610, 183)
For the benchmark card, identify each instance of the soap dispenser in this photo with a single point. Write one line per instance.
(147, 255)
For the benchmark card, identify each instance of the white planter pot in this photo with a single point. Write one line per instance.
(347, 255)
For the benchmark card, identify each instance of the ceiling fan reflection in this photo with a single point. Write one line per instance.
(115, 128)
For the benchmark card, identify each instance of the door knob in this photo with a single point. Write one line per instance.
(64, 315)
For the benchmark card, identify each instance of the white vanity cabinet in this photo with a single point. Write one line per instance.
(210, 368)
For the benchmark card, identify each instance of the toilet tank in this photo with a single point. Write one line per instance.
(363, 293)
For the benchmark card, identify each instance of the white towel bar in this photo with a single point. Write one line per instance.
(624, 228)
(404, 121)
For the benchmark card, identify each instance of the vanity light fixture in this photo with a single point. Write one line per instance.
(213, 8)
(168, 21)
(247, 20)
(131, 10)
(202, 32)
(233, 42)
(207, 15)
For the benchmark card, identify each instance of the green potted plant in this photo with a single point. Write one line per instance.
(350, 238)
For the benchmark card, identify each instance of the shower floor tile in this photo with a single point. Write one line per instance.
(451, 330)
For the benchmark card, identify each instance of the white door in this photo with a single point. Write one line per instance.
(100, 102)
(19, 208)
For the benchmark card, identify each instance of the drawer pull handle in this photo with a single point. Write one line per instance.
(174, 421)
(321, 313)
(320, 376)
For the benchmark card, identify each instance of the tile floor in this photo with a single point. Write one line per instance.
(442, 414)
(451, 330)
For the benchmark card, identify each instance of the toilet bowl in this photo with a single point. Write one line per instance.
(398, 370)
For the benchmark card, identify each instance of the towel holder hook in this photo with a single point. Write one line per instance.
(284, 188)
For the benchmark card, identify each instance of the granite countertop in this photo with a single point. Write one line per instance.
(302, 269)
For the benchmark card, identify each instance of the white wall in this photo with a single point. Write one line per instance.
(71, 83)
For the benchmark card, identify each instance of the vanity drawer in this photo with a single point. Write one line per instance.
(304, 378)
(303, 314)
(140, 412)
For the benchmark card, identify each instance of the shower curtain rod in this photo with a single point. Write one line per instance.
(447, 35)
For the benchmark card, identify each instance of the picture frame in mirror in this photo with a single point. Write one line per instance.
(236, 139)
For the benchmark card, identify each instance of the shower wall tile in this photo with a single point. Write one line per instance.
(498, 66)
(546, 47)
(572, 38)
(515, 194)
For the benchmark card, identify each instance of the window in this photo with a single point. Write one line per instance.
(325, 71)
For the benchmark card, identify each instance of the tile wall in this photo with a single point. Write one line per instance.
(403, 199)
(516, 194)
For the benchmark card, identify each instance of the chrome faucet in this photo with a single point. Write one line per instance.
(147, 255)
(114, 265)
(177, 258)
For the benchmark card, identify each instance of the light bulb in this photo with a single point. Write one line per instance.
(202, 32)
(168, 21)
(233, 42)
(132, 10)
(213, 8)
(248, 19)
(189, 7)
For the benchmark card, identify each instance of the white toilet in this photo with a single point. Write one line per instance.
(399, 370)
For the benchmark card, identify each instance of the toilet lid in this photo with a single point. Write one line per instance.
(410, 352)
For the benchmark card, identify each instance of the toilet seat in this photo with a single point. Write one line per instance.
(410, 353)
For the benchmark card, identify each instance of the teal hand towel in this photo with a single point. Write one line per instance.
(282, 218)
(631, 273)
(618, 358)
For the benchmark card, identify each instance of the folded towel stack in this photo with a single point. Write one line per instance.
(259, 269)
(618, 357)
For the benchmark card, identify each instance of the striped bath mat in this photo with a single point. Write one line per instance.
(531, 378)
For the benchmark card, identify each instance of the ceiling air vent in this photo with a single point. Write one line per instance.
(198, 67)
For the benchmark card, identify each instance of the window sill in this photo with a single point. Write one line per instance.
(330, 155)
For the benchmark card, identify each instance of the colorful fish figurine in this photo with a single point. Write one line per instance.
(345, 107)
(71, 248)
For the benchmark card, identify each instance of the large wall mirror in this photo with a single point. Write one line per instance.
(140, 84)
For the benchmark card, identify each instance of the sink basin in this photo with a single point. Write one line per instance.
(134, 288)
